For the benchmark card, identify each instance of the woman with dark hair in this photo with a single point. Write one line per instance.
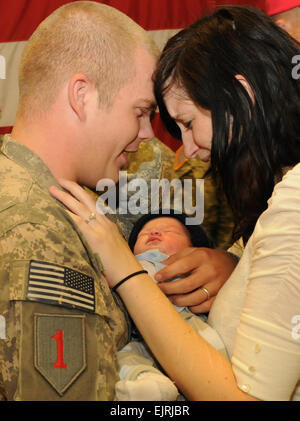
(240, 74)
(225, 86)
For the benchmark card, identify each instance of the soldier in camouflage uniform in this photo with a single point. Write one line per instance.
(51, 282)
(60, 325)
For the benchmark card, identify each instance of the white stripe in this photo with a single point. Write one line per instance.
(41, 265)
(9, 92)
(161, 36)
(46, 272)
(2, 67)
(60, 300)
(46, 278)
(90, 297)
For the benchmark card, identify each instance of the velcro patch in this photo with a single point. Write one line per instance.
(50, 283)
(59, 351)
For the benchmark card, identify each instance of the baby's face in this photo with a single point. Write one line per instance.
(163, 233)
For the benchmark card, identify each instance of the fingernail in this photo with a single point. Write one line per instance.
(157, 277)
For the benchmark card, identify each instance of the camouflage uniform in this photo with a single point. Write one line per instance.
(60, 326)
(155, 160)
(218, 218)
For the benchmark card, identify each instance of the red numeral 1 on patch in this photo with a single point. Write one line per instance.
(59, 350)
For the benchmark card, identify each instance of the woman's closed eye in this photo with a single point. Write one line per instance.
(188, 124)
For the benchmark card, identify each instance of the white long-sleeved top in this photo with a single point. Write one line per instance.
(257, 311)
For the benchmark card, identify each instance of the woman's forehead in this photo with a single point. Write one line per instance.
(177, 101)
(176, 92)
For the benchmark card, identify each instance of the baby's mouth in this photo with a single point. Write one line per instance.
(153, 239)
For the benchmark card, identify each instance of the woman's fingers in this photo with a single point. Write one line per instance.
(184, 285)
(69, 201)
(76, 199)
(203, 307)
(203, 268)
(178, 255)
(182, 264)
(101, 234)
(78, 192)
(211, 264)
(197, 296)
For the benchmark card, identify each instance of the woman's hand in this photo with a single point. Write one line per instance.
(102, 235)
(201, 268)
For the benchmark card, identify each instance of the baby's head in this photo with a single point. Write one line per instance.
(168, 233)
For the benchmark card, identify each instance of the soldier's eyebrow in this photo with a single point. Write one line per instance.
(147, 103)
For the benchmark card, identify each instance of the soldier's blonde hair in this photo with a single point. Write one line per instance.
(83, 36)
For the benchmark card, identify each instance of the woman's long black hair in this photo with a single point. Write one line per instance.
(204, 60)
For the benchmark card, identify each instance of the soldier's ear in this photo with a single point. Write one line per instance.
(77, 91)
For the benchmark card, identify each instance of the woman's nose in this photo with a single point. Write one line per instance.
(190, 147)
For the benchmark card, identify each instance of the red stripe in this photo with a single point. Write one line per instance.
(18, 21)
(19, 18)
(162, 14)
(4, 130)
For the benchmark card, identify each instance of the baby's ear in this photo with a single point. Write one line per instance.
(246, 85)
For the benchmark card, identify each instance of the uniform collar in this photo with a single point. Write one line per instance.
(28, 160)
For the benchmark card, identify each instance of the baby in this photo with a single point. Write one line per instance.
(153, 239)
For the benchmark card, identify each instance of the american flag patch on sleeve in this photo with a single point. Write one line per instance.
(50, 283)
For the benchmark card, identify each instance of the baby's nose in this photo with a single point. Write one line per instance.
(155, 232)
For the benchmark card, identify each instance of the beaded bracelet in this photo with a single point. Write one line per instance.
(126, 279)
